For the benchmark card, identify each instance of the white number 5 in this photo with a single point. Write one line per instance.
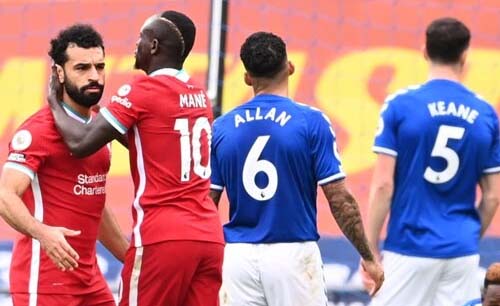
(253, 166)
(440, 149)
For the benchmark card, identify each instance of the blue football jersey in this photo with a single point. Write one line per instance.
(444, 138)
(270, 154)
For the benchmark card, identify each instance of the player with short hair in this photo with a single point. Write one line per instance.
(491, 290)
(177, 242)
(270, 154)
(55, 200)
(435, 143)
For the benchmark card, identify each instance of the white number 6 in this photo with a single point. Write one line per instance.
(253, 166)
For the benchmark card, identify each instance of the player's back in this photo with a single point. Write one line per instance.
(444, 137)
(266, 156)
(169, 149)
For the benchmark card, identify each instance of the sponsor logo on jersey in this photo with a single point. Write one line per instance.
(123, 101)
(90, 184)
(124, 90)
(17, 157)
(21, 140)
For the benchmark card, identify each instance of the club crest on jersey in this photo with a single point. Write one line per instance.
(21, 140)
(124, 90)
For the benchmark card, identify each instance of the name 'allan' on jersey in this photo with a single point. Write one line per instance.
(445, 138)
(270, 153)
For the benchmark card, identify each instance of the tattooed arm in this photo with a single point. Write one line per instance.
(345, 210)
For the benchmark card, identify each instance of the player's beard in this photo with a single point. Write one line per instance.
(80, 97)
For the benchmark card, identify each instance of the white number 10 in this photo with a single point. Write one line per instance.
(201, 124)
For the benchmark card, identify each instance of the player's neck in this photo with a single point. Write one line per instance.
(447, 72)
(278, 89)
(80, 110)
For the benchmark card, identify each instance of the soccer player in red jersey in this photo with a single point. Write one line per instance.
(177, 242)
(55, 200)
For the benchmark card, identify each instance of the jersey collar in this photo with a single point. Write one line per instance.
(73, 114)
(178, 74)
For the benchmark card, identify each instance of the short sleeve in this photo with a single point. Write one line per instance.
(216, 181)
(385, 136)
(124, 108)
(492, 165)
(27, 150)
(327, 165)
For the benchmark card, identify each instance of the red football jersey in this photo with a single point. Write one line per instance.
(65, 191)
(168, 121)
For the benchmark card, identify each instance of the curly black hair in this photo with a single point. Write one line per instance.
(446, 39)
(263, 54)
(83, 35)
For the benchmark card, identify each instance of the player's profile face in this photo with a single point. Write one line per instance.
(141, 52)
(492, 296)
(84, 75)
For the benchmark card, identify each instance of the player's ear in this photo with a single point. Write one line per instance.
(463, 57)
(291, 68)
(154, 46)
(248, 79)
(424, 52)
(60, 73)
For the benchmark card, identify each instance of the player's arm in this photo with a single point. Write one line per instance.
(345, 210)
(13, 184)
(111, 235)
(82, 139)
(379, 200)
(490, 190)
(215, 195)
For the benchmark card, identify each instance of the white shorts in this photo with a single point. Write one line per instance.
(277, 274)
(420, 281)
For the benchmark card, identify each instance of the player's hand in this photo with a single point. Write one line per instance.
(53, 242)
(372, 275)
(55, 87)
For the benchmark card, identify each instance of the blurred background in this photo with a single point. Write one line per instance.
(348, 54)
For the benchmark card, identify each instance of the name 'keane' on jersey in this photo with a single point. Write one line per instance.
(255, 114)
(442, 108)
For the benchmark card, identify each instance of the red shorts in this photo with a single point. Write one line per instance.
(99, 298)
(172, 273)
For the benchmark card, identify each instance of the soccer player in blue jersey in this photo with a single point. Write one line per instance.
(270, 154)
(435, 143)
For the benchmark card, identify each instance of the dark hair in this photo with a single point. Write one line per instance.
(83, 35)
(446, 40)
(263, 54)
(185, 26)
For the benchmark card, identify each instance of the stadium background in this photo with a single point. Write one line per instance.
(349, 54)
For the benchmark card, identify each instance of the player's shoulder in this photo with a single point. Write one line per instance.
(482, 103)
(404, 93)
(40, 121)
(38, 128)
(311, 112)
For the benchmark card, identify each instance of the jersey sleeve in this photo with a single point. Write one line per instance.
(492, 165)
(385, 136)
(126, 105)
(27, 150)
(327, 165)
(216, 181)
